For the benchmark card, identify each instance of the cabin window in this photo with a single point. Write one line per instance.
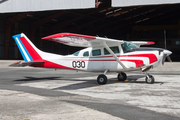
(76, 53)
(86, 54)
(114, 49)
(96, 52)
(128, 46)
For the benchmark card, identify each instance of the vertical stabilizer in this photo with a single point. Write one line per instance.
(28, 50)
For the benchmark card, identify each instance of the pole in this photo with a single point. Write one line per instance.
(165, 39)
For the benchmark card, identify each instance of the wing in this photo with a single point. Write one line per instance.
(82, 40)
(86, 41)
(139, 43)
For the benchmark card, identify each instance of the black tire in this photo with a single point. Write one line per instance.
(122, 76)
(102, 79)
(150, 80)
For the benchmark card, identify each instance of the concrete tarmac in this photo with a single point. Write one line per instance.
(35, 94)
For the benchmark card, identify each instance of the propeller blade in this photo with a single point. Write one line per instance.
(169, 59)
(164, 58)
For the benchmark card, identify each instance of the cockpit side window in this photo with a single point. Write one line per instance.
(76, 53)
(114, 49)
(127, 46)
(96, 52)
(86, 54)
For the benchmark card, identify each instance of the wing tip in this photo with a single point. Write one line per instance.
(57, 35)
(150, 42)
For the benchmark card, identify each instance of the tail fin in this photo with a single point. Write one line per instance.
(28, 50)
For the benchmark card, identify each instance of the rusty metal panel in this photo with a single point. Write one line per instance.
(124, 3)
(43, 5)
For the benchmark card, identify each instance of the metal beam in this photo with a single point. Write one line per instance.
(135, 18)
(156, 27)
(40, 22)
(79, 27)
(145, 17)
(97, 3)
(79, 16)
(122, 17)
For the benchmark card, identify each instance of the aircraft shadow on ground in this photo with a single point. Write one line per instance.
(84, 83)
(133, 79)
(37, 79)
(93, 83)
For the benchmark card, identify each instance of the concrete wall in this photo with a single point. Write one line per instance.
(42, 5)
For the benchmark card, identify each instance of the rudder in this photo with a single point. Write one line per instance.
(27, 48)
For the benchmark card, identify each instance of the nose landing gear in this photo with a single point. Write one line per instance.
(102, 79)
(149, 79)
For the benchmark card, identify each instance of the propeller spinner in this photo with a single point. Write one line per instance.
(166, 54)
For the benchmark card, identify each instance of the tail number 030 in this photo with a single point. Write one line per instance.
(78, 64)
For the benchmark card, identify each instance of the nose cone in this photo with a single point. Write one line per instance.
(167, 52)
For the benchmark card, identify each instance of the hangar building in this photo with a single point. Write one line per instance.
(146, 20)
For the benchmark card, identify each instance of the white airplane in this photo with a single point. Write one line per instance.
(101, 55)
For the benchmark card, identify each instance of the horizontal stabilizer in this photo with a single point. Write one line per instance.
(23, 64)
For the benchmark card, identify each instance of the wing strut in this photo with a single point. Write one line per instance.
(112, 53)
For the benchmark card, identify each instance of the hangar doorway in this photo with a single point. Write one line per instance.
(146, 23)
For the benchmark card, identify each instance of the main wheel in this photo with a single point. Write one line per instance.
(122, 76)
(102, 79)
(150, 80)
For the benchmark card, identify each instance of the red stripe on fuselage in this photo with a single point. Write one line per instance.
(30, 49)
(48, 64)
(152, 57)
(139, 63)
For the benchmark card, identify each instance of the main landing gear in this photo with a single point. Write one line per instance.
(122, 76)
(102, 79)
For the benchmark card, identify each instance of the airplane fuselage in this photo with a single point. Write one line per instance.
(86, 60)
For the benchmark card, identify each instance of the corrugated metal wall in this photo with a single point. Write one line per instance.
(123, 3)
(41, 5)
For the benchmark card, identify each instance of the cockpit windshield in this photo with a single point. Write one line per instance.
(127, 46)
(76, 53)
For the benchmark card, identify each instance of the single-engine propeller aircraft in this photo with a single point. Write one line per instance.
(100, 55)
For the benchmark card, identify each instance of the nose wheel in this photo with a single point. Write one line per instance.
(149, 79)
